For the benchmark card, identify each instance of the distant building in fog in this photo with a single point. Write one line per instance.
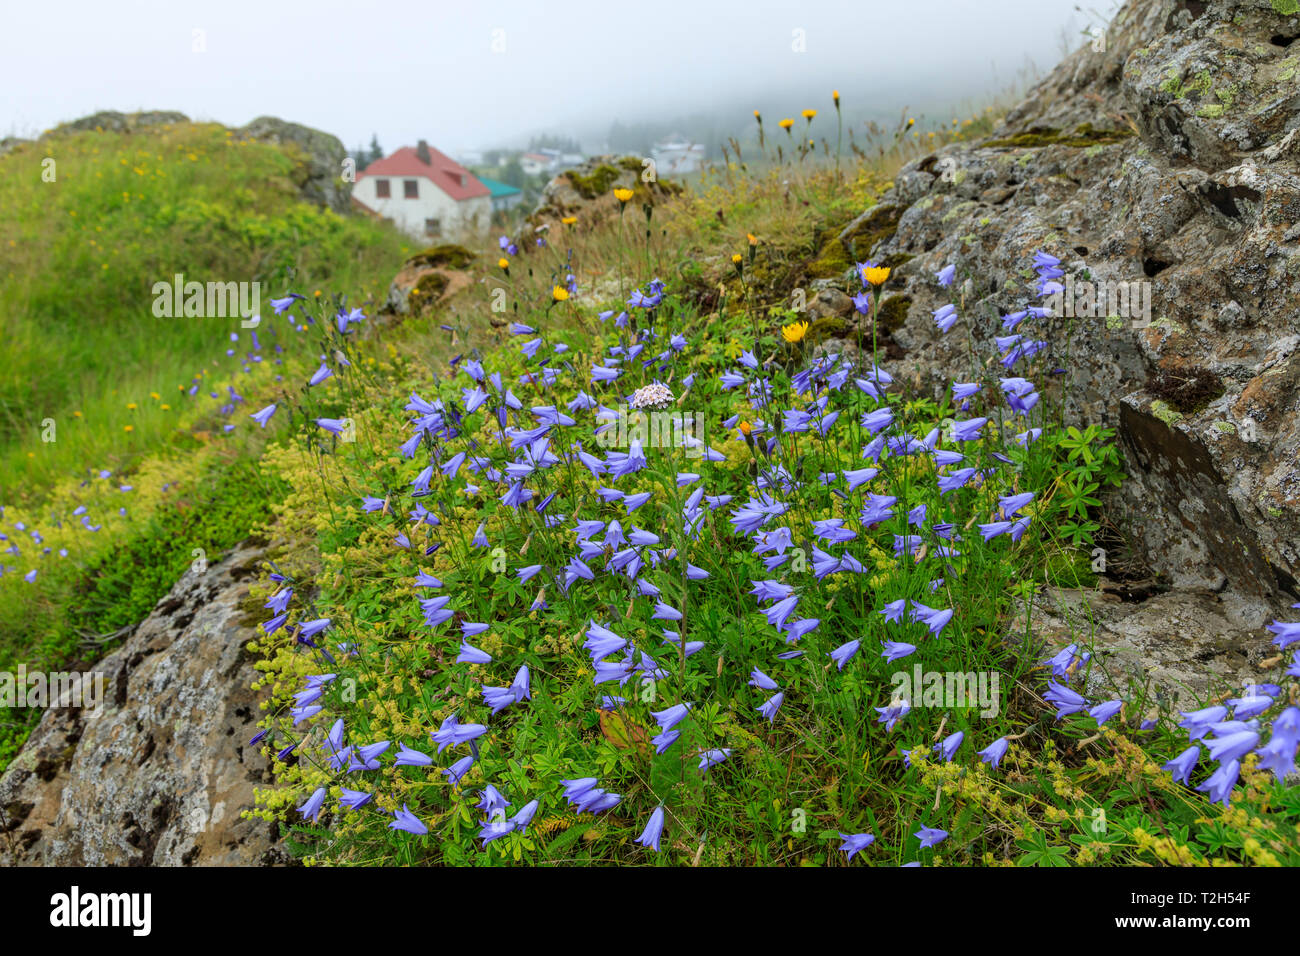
(677, 154)
(504, 196)
(426, 194)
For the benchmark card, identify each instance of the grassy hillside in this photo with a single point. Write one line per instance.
(152, 457)
(79, 257)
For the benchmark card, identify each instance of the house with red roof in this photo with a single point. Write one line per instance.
(427, 194)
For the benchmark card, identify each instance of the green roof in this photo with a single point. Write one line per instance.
(498, 189)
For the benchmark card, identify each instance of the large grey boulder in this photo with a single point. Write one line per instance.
(319, 173)
(159, 774)
(1167, 154)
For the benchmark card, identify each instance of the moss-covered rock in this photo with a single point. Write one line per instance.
(1187, 390)
(827, 327)
(892, 262)
(893, 312)
(447, 256)
(428, 290)
(874, 228)
(1084, 135)
(595, 183)
(831, 260)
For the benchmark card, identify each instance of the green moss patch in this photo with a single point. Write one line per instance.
(873, 230)
(1083, 136)
(596, 183)
(448, 255)
(893, 312)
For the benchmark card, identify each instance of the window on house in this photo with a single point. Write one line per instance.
(412, 188)
(381, 189)
(433, 227)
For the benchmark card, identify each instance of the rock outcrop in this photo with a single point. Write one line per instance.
(112, 121)
(159, 773)
(319, 173)
(1162, 160)
(585, 192)
(427, 279)
(1165, 157)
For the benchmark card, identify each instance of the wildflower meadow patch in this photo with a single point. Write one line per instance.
(521, 631)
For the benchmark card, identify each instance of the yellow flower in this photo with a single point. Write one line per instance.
(876, 275)
(785, 123)
(809, 114)
(155, 396)
(794, 332)
(128, 428)
(165, 407)
(735, 259)
(317, 293)
(131, 406)
(569, 220)
(76, 414)
(911, 122)
(622, 194)
(753, 239)
(746, 428)
(503, 262)
(835, 95)
(559, 293)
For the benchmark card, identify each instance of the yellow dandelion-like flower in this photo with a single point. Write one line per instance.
(165, 407)
(131, 406)
(753, 239)
(503, 263)
(569, 220)
(559, 293)
(876, 275)
(76, 414)
(746, 429)
(808, 115)
(736, 259)
(794, 332)
(317, 293)
(785, 123)
(835, 95)
(910, 122)
(622, 194)
(758, 117)
(155, 396)
(128, 428)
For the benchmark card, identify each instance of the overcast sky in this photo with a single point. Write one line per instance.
(475, 73)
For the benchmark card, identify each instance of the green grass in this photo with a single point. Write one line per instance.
(79, 259)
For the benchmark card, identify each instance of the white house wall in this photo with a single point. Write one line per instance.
(467, 217)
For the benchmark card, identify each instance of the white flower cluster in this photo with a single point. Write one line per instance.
(653, 396)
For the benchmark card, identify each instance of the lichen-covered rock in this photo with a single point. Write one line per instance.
(114, 122)
(159, 773)
(1167, 156)
(428, 278)
(585, 192)
(320, 168)
(1181, 645)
